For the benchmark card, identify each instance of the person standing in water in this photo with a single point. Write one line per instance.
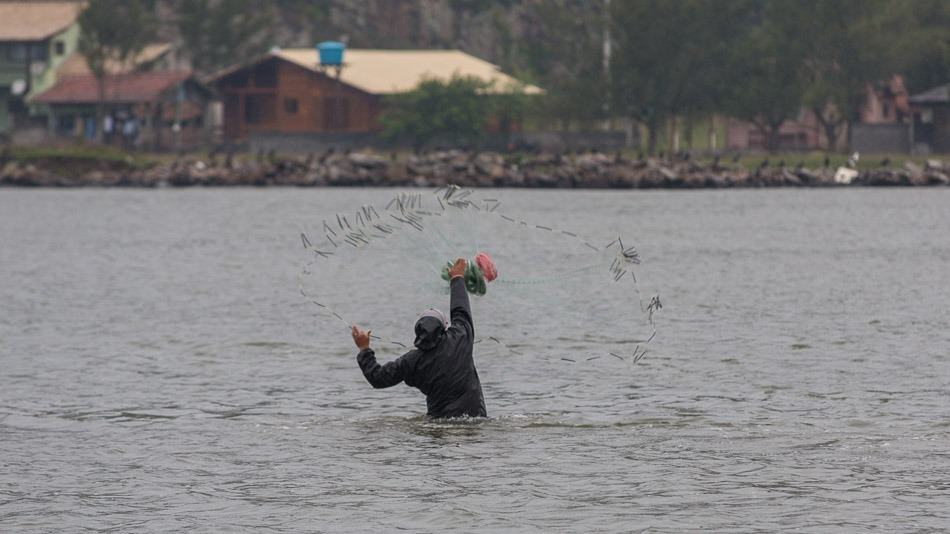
(441, 365)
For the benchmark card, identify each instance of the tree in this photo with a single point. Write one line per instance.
(105, 42)
(670, 58)
(918, 42)
(845, 49)
(454, 111)
(767, 85)
(562, 48)
(218, 33)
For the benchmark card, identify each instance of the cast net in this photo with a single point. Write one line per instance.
(558, 294)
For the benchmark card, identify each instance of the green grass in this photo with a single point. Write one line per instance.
(79, 154)
(816, 160)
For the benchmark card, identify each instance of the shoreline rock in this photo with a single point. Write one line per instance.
(468, 169)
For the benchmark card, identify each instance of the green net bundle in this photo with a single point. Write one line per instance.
(474, 278)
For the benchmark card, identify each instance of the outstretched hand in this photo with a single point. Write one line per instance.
(457, 269)
(360, 337)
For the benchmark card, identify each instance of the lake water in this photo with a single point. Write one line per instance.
(159, 371)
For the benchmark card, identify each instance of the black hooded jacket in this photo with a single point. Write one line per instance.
(441, 365)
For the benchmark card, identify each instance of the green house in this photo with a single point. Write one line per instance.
(35, 38)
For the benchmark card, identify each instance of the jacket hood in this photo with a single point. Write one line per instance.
(429, 333)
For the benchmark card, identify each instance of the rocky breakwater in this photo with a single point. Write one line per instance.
(471, 169)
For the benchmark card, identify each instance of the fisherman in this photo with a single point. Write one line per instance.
(441, 365)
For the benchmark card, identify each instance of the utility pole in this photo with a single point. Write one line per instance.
(176, 128)
(606, 59)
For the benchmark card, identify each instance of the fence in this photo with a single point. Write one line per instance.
(880, 138)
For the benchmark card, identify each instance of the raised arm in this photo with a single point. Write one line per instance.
(459, 307)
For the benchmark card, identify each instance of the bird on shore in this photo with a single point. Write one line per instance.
(885, 162)
(764, 164)
(853, 160)
(827, 162)
(735, 159)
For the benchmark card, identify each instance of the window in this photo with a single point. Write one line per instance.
(259, 109)
(19, 52)
(60, 48)
(16, 52)
(39, 52)
(290, 106)
(336, 113)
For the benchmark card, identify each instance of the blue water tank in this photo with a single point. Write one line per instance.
(331, 53)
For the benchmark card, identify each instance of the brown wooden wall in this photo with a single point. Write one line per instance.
(279, 96)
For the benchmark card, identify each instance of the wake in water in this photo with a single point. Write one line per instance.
(544, 271)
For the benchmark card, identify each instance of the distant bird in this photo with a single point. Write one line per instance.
(661, 154)
(764, 164)
(885, 162)
(800, 165)
(827, 162)
(853, 160)
(735, 159)
(640, 156)
(781, 164)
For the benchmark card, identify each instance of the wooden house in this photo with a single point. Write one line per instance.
(287, 92)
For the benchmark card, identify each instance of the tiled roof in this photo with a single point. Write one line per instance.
(119, 89)
(399, 71)
(937, 95)
(34, 21)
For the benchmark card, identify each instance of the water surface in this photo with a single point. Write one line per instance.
(159, 371)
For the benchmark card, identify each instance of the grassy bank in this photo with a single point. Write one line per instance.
(816, 160)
